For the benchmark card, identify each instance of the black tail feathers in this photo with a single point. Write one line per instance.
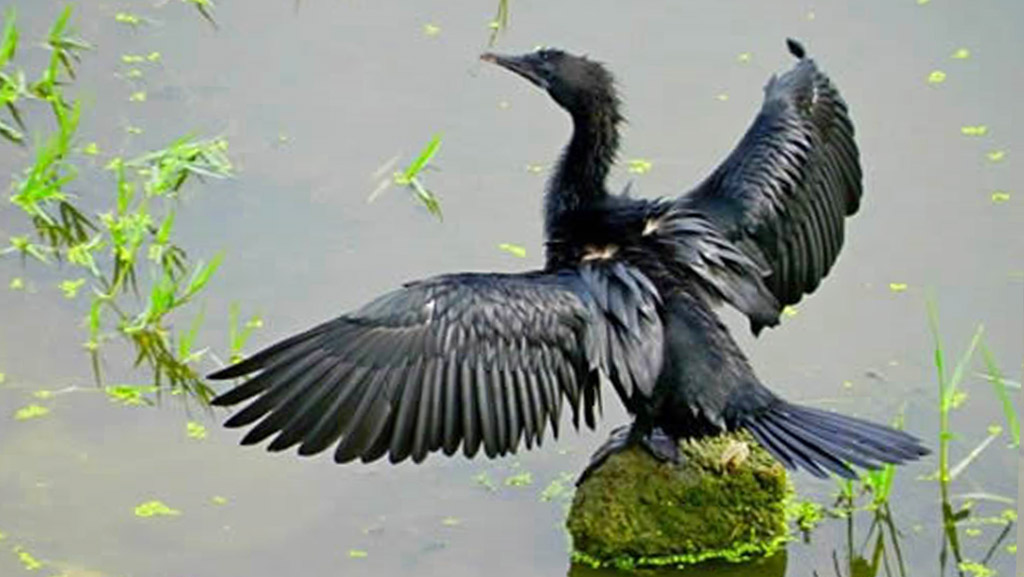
(822, 442)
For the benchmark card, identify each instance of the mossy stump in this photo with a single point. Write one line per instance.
(725, 501)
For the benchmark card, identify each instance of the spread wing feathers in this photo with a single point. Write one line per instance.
(781, 196)
(464, 360)
(726, 273)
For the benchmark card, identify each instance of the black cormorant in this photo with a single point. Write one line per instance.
(626, 299)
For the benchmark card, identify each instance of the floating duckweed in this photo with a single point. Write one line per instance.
(535, 168)
(3, 378)
(936, 77)
(922, 2)
(519, 480)
(973, 532)
(847, 384)
(43, 394)
(1000, 196)
(1011, 549)
(451, 522)
(132, 58)
(810, 15)
(898, 287)
(557, 489)
(128, 18)
(91, 148)
(722, 97)
(961, 54)
(744, 57)
(790, 311)
(974, 568)
(139, 96)
(195, 430)
(431, 29)
(133, 130)
(485, 481)
(153, 56)
(976, 130)
(155, 509)
(30, 412)
(996, 155)
(17, 283)
(357, 554)
(70, 287)
(129, 394)
(639, 166)
(513, 249)
(218, 500)
(29, 562)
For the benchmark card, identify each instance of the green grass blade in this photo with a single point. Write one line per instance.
(425, 156)
(999, 386)
(961, 366)
(9, 37)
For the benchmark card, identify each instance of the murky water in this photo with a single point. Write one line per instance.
(315, 96)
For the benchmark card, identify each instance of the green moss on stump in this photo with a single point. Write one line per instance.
(726, 501)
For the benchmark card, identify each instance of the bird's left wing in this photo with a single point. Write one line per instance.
(783, 194)
(464, 359)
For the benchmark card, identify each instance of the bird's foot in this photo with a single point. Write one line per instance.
(662, 447)
(657, 443)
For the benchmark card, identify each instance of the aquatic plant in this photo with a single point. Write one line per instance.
(125, 256)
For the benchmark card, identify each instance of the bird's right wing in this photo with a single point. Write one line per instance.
(464, 359)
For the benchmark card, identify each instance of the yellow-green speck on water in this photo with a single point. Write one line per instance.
(639, 166)
(995, 155)
(155, 509)
(1000, 196)
(898, 287)
(936, 77)
(195, 430)
(513, 249)
(974, 130)
(29, 562)
(70, 287)
(357, 554)
(961, 54)
(519, 480)
(30, 412)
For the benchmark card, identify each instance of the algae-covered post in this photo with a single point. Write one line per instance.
(726, 501)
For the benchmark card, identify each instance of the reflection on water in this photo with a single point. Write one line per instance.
(774, 566)
(314, 97)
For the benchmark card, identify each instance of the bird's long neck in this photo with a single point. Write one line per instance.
(579, 177)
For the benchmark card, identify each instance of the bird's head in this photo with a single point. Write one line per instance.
(576, 83)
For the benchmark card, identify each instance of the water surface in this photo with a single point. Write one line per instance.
(315, 96)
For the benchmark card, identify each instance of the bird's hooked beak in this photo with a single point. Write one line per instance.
(524, 66)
